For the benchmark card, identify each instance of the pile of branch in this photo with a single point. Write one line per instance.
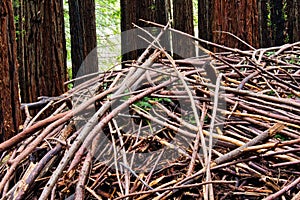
(220, 126)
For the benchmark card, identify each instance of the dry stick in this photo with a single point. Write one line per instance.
(289, 76)
(297, 196)
(123, 152)
(263, 72)
(257, 95)
(212, 124)
(175, 187)
(28, 117)
(91, 130)
(66, 116)
(192, 100)
(27, 132)
(201, 40)
(154, 166)
(85, 171)
(264, 107)
(237, 152)
(286, 131)
(93, 193)
(85, 76)
(220, 59)
(236, 37)
(271, 104)
(138, 178)
(116, 164)
(197, 140)
(39, 113)
(286, 163)
(264, 118)
(79, 193)
(254, 157)
(283, 190)
(245, 80)
(200, 172)
(36, 172)
(132, 76)
(264, 113)
(284, 47)
(193, 105)
(191, 127)
(135, 73)
(234, 50)
(272, 145)
(80, 152)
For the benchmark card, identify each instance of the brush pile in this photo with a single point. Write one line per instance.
(220, 126)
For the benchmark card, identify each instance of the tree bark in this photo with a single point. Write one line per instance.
(183, 21)
(131, 12)
(43, 52)
(238, 17)
(205, 20)
(277, 22)
(263, 28)
(128, 41)
(9, 93)
(83, 37)
(293, 12)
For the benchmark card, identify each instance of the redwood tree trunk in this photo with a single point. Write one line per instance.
(43, 52)
(183, 21)
(9, 92)
(238, 17)
(293, 12)
(83, 37)
(277, 22)
(263, 28)
(128, 16)
(131, 12)
(205, 20)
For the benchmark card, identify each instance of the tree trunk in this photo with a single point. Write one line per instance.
(83, 37)
(263, 28)
(205, 20)
(277, 22)
(238, 17)
(131, 12)
(43, 52)
(9, 92)
(293, 12)
(128, 16)
(183, 21)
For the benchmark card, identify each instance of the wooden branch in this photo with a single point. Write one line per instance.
(237, 152)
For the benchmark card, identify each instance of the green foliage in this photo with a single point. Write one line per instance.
(269, 53)
(108, 15)
(147, 102)
(69, 71)
(271, 93)
(294, 60)
(280, 137)
(68, 38)
(16, 4)
(195, 14)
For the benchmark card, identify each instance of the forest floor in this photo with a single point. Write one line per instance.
(221, 126)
